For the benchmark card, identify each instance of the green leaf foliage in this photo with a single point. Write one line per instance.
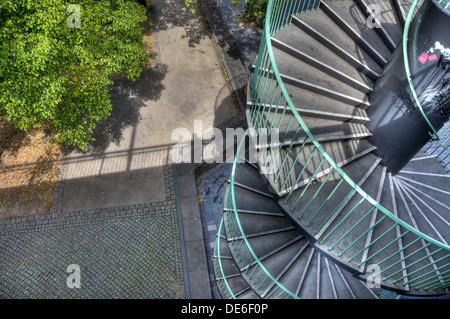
(55, 74)
(255, 11)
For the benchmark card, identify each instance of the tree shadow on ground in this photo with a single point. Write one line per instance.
(212, 148)
(127, 98)
(11, 138)
(29, 166)
(177, 15)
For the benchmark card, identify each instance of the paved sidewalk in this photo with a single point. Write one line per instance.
(131, 251)
(123, 212)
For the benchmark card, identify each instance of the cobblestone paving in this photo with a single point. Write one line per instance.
(123, 252)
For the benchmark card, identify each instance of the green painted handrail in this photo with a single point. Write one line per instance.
(220, 263)
(241, 230)
(266, 55)
(409, 17)
(266, 67)
(268, 33)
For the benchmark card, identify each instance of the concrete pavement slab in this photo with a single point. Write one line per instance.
(187, 84)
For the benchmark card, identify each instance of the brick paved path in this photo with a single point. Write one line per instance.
(130, 251)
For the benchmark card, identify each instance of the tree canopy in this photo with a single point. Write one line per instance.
(57, 60)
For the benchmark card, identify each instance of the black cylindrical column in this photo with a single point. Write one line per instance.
(399, 128)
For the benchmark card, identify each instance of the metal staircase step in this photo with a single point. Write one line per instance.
(337, 41)
(402, 7)
(290, 132)
(287, 169)
(303, 274)
(308, 103)
(326, 279)
(390, 28)
(275, 262)
(359, 290)
(252, 233)
(285, 254)
(339, 224)
(302, 44)
(328, 60)
(431, 202)
(267, 246)
(361, 101)
(293, 272)
(440, 180)
(401, 11)
(303, 66)
(424, 255)
(341, 229)
(229, 267)
(425, 184)
(344, 112)
(349, 17)
(227, 273)
(373, 245)
(432, 218)
(249, 200)
(251, 178)
(329, 191)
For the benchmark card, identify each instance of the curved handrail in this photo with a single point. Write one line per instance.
(220, 264)
(241, 230)
(433, 134)
(266, 67)
(268, 35)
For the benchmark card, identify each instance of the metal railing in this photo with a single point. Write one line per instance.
(221, 280)
(251, 267)
(413, 253)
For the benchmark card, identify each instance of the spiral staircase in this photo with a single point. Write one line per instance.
(312, 208)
